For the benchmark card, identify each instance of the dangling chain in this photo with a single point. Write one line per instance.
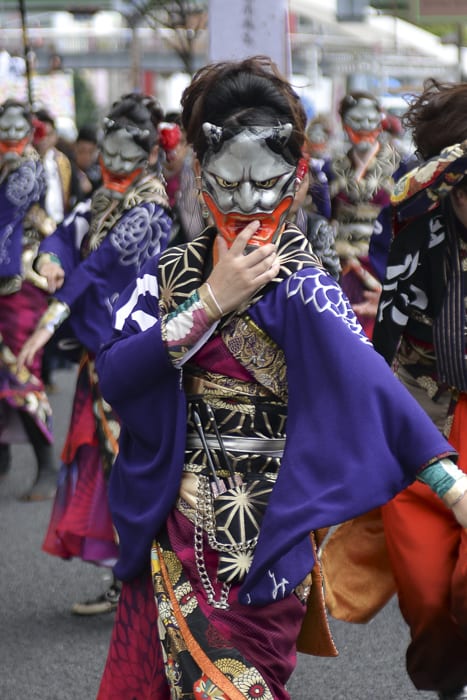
(200, 517)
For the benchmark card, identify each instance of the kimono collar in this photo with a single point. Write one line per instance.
(193, 263)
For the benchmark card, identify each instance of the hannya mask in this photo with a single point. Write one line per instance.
(362, 123)
(121, 159)
(318, 137)
(15, 132)
(245, 178)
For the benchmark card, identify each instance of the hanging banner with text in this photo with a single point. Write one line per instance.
(53, 91)
(248, 27)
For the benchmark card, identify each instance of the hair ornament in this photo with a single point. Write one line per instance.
(281, 134)
(213, 134)
(112, 125)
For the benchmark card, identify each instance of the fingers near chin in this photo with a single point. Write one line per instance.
(269, 274)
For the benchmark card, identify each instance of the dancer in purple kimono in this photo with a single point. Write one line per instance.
(233, 359)
(25, 412)
(89, 260)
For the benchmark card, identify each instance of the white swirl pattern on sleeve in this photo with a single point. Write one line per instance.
(23, 185)
(147, 284)
(137, 236)
(315, 287)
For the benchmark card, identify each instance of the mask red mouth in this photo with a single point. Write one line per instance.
(14, 146)
(118, 183)
(231, 224)
(360, 136)
(318, 146)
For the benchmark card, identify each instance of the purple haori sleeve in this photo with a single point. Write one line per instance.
(355, 436)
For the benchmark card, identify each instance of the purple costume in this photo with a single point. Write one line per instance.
(100, 262)
(101, 247)
(337, 462)
(22, 296)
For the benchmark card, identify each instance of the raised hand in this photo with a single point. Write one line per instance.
(237, 275)
(54, 275)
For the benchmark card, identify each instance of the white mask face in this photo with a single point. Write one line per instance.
(246, 180)
(247, 177)
(120, 153)
(13, 124)
(317, 134)
(363, 117)
(363, 124)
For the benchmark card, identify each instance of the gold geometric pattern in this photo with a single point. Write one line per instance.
(238, 513)
(183, 269)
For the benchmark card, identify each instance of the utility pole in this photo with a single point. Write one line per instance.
(26, 51)
(135, 55)
(460, 44)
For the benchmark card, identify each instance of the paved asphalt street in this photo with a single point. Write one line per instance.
(46, 653)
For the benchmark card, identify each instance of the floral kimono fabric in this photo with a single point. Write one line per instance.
(208, 650)
(184, 648)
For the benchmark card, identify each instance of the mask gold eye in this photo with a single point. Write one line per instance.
(267, 184)
(225, 183)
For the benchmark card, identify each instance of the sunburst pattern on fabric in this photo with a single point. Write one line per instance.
(238, 513)
(234, 566)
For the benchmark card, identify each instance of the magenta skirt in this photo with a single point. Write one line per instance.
(80, 524)
(19, 315)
